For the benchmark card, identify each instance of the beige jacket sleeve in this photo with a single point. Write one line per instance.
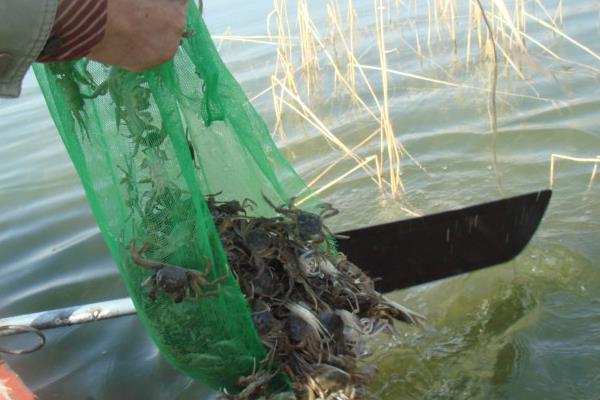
(24, 29)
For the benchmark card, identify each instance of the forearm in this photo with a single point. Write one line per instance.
(25, 26)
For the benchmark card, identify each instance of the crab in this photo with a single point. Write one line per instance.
(131, 97)
(328, 381)
(266, 285)
(69, 78)
(128, 183)
(263, 318)
(388, 310)
(177, 282)
(308, 226)
(252, 236)
(231, 207)
(255, 385)
(256, 240)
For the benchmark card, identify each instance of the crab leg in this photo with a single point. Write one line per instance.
(137, 256)
(218, 280)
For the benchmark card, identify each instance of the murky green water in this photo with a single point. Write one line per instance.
(528, 329)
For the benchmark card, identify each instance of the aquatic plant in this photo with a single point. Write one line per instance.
(493, 43)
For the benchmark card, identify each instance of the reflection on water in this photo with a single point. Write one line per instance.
(508, 332)
(523, 330)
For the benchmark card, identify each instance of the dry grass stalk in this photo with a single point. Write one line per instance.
(350, 70)
(594, 174)
(317, 124)
(505, 35)
(505, 19)
(334, 19)
(545, 11)
(457, 85)
(388, 10)
(284, 63)
(284, 51)
(344, 176)
(452, 12)
(470, 22)
(220, 41)
(308, 50)
(563, 35)
(555, 157)
(513, 65)
(388, 139)
(342, 158)
(479, 30)
(429, 24)
(559, 11)
(506, 30)
(351, 88)
(445, 11)
(492, 102)
(337, 180)
(258, 39)
(283, 85)
(278, 108)
(558, 57)
(520, 15)
(419, 50)
(283, 28)
(436, 19)
(307, 114)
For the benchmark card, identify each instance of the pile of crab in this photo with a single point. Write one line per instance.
(313, 309)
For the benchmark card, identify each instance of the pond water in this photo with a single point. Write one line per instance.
(526, 329)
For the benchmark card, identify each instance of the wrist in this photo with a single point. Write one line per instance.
(79, 26)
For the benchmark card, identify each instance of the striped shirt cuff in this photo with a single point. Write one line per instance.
(78, 27)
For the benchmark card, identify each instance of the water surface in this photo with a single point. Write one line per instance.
(526, 329)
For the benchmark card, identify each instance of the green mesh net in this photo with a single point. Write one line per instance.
(148, 148)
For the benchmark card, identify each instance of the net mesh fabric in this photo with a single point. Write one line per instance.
(148, 148)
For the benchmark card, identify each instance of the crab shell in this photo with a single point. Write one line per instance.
(171, 280)
(309, 224)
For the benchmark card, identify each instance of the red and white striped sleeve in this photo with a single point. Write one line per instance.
(78, 27)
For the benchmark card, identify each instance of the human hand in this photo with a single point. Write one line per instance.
(141, 34)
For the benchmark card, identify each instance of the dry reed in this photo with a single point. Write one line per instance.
(495, 37)
(492, 110)
(555, 157)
